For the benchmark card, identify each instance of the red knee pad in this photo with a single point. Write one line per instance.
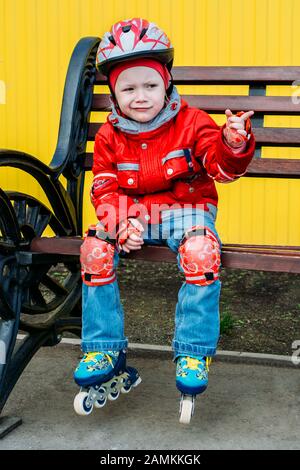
(97, 260)
(200, 256)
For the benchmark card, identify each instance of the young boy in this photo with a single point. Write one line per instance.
(155, 162)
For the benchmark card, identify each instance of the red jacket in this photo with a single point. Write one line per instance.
(178, 162)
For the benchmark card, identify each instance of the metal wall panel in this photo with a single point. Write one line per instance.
(36, 41)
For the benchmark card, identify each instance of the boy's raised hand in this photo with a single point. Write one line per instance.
(238, 128)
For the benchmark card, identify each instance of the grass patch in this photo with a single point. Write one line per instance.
(226, 323)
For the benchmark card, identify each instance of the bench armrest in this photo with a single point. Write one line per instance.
(76, 106)
(58, 197)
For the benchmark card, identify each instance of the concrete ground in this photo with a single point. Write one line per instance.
(247, 406)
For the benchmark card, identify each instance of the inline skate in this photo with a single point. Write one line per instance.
(102, 376)
(191, 380)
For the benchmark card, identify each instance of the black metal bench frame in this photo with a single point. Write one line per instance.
(26, 257)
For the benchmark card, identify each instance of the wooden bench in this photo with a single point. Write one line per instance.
(28, 258)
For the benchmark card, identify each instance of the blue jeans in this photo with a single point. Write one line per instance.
(197, 322)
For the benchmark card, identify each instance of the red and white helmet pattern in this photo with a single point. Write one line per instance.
(133, 38)
(200, 257)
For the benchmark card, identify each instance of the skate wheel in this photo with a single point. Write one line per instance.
(186, 409)
(137, 382)
(81, 405)
(126, 389)
(100, 403)
(113, 395)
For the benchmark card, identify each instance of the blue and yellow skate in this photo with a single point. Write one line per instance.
(191, 379)
(102, 376)
(95, 366)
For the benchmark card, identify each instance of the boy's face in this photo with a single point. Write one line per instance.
(140, 93)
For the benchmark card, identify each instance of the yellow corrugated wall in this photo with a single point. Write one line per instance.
(36, 41)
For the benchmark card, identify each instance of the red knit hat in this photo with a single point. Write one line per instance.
(144, 62)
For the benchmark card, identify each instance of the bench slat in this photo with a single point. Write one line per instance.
(265, 248)
(261, 262)
(274, 168)
(279, 136)
(259, 167)
(218, 103)
(258, 257)
(194, 75)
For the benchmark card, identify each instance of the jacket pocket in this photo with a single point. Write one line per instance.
(179, 163)
(190, 190)
(128, 175)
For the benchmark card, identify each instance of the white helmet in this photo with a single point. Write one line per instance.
(131, 39)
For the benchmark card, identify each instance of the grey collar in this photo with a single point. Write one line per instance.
(134, 127)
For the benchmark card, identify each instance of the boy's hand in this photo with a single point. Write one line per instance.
(134, 240)
(238, 128)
